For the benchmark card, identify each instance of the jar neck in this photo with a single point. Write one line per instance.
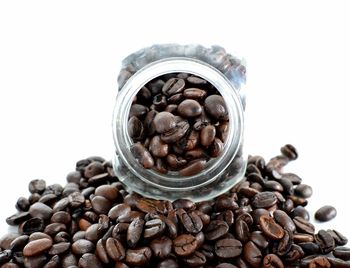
(123, 141)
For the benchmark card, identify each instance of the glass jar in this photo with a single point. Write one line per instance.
(224, 72)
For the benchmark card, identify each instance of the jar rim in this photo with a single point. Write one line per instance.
(215, 166)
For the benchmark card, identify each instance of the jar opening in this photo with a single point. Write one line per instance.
(215, 166)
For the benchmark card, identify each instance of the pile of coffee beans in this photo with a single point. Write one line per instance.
(93, 222)
(177, 123)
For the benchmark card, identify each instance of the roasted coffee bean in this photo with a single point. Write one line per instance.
(176, 133)
(164, 122)
(159, 102)
(289, 151)
(215, 230)
(138, 110)
(153, 228)
(270, 228)
(194, 167)
(252, 254)
(37, 186)
(321, 262)
(82, 246)
(168, 263)
(135, 128)
(158, 148)
(195, 154)
(207, 135)
(93, 169)
(259, 239)
(173, 86)
(191, 221)
(22, 204)
(228, 248)
(37, 247)
(32, 225)
(300, 211)
(59, 248)
(160, 166)
(241, 230)
(135, 231)
(284, 220)
(310, 248)
(115, 249)
(273, 186)
(161, 247)
(201, 121)
(119, 210)
(285, 244)
(303, 190)
(342, 253)
(339, 239)
(264, 200)
(216, 148)
(185, 245)
(142, 155)
(17, 218)
(325, 241)
(175, 99)
(300, 237)
(171, 108)
(89, 260)
(189, 108)
(101, 205)
(294, 254)
(139, 256)
(325, 213)
(215, 106)
(272, 261)
(195, 80)
(304, 226)
(194, 93)
(197, 259)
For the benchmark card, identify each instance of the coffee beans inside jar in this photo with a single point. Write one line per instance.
(94, 222)
(178, 122)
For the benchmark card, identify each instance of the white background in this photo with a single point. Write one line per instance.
(59, 62)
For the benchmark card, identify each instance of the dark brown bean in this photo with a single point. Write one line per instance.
(164, 122)
(207, 135)
(135, 128)
(139, 256)
(325, 213)
(270, 228)
(37, 247)
(228, 248)
(142, 155)
(189, 108)
(194, 167)
(158, 148)
(194, 93)
(115, 249)
(185, 245)
(173, 86)
(215, 106)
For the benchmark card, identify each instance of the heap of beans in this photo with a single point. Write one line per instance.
(177, 123)
(93, 222)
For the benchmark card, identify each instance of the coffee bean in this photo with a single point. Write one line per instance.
(197, 259)
(17, 218)
(191, 221)
(37, 186)
(185, 245)
(215, 230)
(32, 225)
(289, 151)
(284, 220)
(216, 148)
(342, 253)
(252, 254)
(59, 248)
(22, 204)
(264, 200)
(163, 122)
(138, 110)
(196, 80)
(304, 226)
(339, 239)
(101, 205)
(115, 249)
(215, 106)
(161, 247)
(158, 148)
(82, 246)
(300, 211)
(193, 167)
(272, 261)
(89, 260)
(207, 135)
(139, 256)
(176, 133)
(303, 190)
(37, 247)
(119, 210)
(319, 262)
(194, 93)
(142, 155)
(168, 263)
(325, 241)
(173, 86)
(228, 248)
(270, 228)
(189, 108)
(135, 231)
(153, 228)
(310, 248)
(325, 213)
(135, 128)
(259, 239)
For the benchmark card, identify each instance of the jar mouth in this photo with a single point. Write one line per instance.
(172, 181)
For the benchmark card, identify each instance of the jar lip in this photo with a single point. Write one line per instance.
(123, 103)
